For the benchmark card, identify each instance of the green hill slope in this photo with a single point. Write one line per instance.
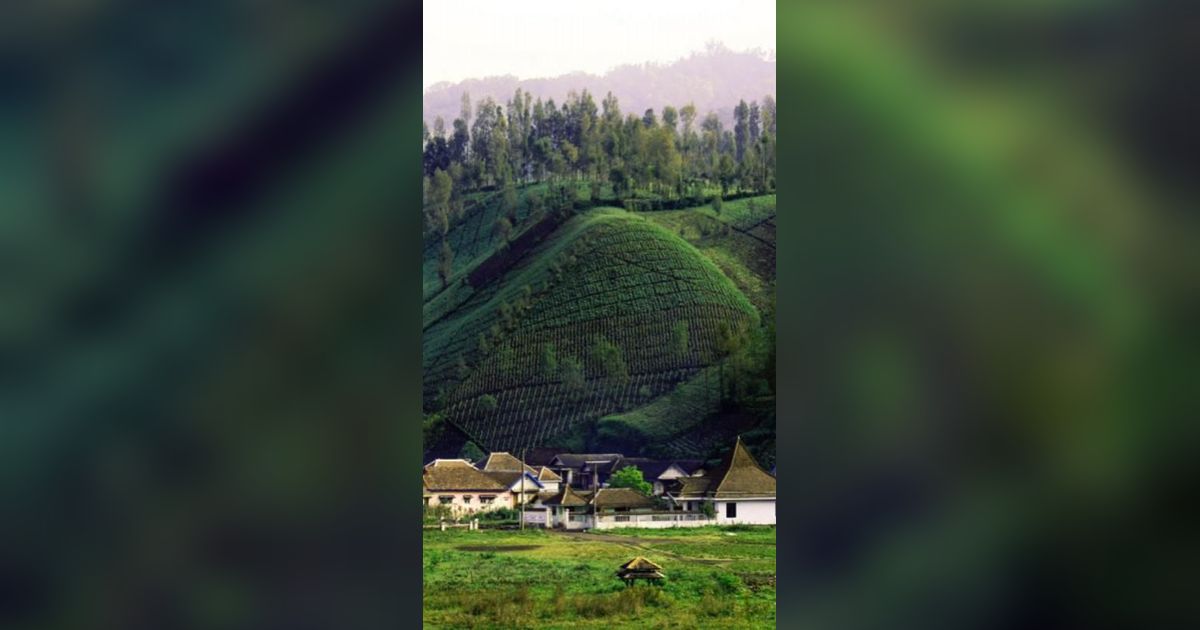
(496, 357)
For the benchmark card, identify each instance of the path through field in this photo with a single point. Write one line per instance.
(640, 544)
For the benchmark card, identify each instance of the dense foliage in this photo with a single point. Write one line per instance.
(630, 477)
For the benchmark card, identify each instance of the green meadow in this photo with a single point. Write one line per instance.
(717, 577)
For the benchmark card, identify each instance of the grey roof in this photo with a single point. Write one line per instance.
(651, 468)
(579, 460)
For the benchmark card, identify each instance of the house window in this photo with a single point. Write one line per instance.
(487, 498)
(731, 510)
(445, 498)
(466, 498)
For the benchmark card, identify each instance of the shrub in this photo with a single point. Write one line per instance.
(711, 606)
(500, 514)
(728, 583)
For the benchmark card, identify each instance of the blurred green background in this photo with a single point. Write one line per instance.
(989, 290)
(210, 326)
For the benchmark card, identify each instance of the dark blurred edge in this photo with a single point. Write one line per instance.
(193, 539)
(1122, 556)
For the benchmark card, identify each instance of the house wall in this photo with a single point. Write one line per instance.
(459, 506)
(749, 512)
(559, 517)
(649, 521)
(538, 517)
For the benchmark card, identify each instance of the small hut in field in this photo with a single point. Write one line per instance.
(640, 569)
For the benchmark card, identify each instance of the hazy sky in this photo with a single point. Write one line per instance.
(477, 38)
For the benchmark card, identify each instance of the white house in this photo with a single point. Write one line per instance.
(524, 486)
(462, 487)
(739, 490)
(549, 479)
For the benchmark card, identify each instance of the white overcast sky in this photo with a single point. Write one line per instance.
(466, 39)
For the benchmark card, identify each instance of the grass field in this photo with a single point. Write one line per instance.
(716, 578)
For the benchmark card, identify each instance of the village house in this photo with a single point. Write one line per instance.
(585, 470)
(657, 472)
(685, 493)
(739, 490)
(588, 471)
(595, 509)
(506, 469)
(456, 483)
(524, 486)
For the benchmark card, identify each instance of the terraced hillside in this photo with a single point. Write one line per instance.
(634, 305)
(740, 240)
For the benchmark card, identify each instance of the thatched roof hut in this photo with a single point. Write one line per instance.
(640, 569)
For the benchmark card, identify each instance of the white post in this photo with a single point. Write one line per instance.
(443, 522)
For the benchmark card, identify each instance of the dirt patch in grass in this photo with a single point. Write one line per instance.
(757, 581)
(495, 548)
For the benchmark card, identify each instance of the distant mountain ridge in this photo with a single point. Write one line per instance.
(714, 80)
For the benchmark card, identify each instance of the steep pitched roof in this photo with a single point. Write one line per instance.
(690, 487)
(450, 475)
(621, 498)
(545, 474)
(640, 563)
(500, 461)
(566, 498)
(739, 475)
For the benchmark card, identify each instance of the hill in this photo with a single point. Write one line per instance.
(635, 306)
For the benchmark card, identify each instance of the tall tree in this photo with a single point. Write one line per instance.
(688, 115)
(465, 109)
(437, 210)
(661, 157)
(768, 115)
(670, 117)
(445, 263)
(754, 124)
(741, 128)
(648, 119)
(459, 141)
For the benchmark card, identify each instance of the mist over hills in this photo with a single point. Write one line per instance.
(714, 80)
